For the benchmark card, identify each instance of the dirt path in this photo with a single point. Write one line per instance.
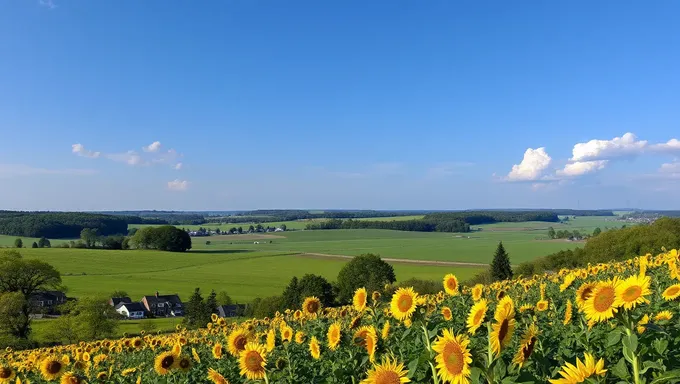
(402, 261)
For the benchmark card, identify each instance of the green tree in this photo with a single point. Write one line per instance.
(283, 227)
(597, 231)
(251, 229)
(86, 319)
(62, 330)
(44, 243)
(119, 294)
(89, 237)
(34, 245)
(196, 314)
(18, 243)
(13, 317)
(368, 271)
(223, 298)
(500, 266)
(551, 232)
(207, 242)
(315, 285)
(291, 294)
(240, 230)
(210, 305)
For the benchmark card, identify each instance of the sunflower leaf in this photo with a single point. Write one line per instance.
(620, 370)
(613, 338)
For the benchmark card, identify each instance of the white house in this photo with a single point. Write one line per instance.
(131, 310)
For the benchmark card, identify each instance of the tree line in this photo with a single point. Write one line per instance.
(57, 225)
(490, 217)
(416, 225)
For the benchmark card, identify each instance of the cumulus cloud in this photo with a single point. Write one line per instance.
(579, 168)
(80, 150)
(178, 185)
(531, 168)
(672, 145)
(153, 147)
(670, 168)
(178, 166)
(626, 145)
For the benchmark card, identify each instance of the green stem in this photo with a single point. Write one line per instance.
(435, 378)
(290, 363)
(266, 379)
(635, 363)
(490, 357)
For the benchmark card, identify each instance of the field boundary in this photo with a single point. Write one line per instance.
(400, 261)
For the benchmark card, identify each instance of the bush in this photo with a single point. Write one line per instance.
(424, 287)
(368, 271)
(164, 238)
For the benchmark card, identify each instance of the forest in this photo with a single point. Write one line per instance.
(59, 225)
(417, 225)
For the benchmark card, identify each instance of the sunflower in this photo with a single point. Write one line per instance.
(71, 378)
(165, 362)
(367, 337)
(385, 330)
(568, 279)
(403, 303)
(217, 350)
(7, 374)
(476, 316)
(600, 305)
(477, 292)
(299, 337)
(672, 292)
(567, 313)
(287, 333)
(102, 376)
(663, 315)
(632, 291)
(572, 374)
(542, 305)
(236, 342)
(446, 312)
(642, 324)
(500, 294)
(333, 336)
(314, 348)
(252, 361)
(51, 368)
(504, 326)
(375, 296)
(451, 284)
(388, 372)
(359, 299)
(311, 306)
(194, 354)
(525, 307)
(453, 357)
(184, 363)
(583, 293)
(216, 377)
(297, 315)
(271, 340)
(526, 346)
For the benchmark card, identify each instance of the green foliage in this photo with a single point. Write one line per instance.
(83, 320)
(223, 298)
(13, 315)
(119, 294)
(266, 307)
(368, 271)
(198, 310)
(44, 243)
(89, 236)
(500, 266)
(425, 287)
(59, 224)
(18, 243)
(597, 231)
(34, 245)
(113, 242)
(308, 285)
(164, 238)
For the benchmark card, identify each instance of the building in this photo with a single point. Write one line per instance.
(114, 301)
(231, 310)
(163, 305)
(131, 310)
(46, 301)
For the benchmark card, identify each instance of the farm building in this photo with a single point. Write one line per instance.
(131, 310)
(163, 305)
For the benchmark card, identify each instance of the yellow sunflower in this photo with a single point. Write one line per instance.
(476, 316)
(314, 348)
(446, 312)
(252, 361)
(217, 351)
(367, 337)
(504, 326)
(453, 357)
(359, 299)
(236, 342)
(71, 378)
(600, 305)
(632, 291)
(572, 374)
(51, 368)
(583, 293)
(385, 330)
(311, 306)
(388, 372)
(216, 377)
(477, 292)
(7, 374)
(194, 354)
(184, 363)
(526, 346)
(568, 279)
(333, 335)
(451, 284)
(165, 362)
(663, 316)
(642, 324)
(287, 333)
(567, 313)
(271, 340)
(672, 292)
(403, 303)
(542, 305)
(299, 337)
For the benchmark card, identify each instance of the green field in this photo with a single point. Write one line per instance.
(8, 241)
(125, 327)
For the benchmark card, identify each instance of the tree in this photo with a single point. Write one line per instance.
(34, 245)
(223, 298)
(119, 294)
(551, 232)
(25, 277)
(86, 319)
(196, 314)
(13, 317)
(315, 285)
(207, 242)
(283, 227)
(89, 237)
(218, 231)
(368, 271)
(259, 228)
(597, 231)
(44, 243)
(251, 229)
(240, 230)
(18, 243)
(112, 242)
(291, 294)
(500, 266)
(210, 304)
(164, 238)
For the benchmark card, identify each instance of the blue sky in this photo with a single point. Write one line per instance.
(338, 104)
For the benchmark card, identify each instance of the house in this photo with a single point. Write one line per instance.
(131, 310)
(46, 301)
(230, 310)
(114, 301)
(163, 305)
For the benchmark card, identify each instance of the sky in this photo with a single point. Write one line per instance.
(257, 104)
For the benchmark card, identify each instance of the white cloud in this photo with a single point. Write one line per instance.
(153, 147)
(670, 168)
(178, 185)
(533, 165)
(129, 157)
(626, 145)
(80, 150)
(672, 145)
(9, 170)
(579, 168)
(178, 166)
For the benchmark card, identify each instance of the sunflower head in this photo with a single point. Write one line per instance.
(477, 292)
(447, 314)
(403, 303)
(671, 293)
(453, 357)
(451, 284)
(632, 291)
(165, 362)
(314, 348)
(51, 368)
(359, 299)
(526, 345)
(7, 374)
(542, 305)
(216, 377)
(600, 305)
(237, 340)
(252, 361)
(387, 372)
(311, 307)
(334, 335)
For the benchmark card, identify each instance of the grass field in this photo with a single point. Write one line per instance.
(129, 327)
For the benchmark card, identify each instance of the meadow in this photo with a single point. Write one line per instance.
(125, 327)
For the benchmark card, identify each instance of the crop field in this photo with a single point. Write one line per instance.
(125, 327)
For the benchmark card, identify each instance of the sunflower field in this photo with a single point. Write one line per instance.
(607, 323)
